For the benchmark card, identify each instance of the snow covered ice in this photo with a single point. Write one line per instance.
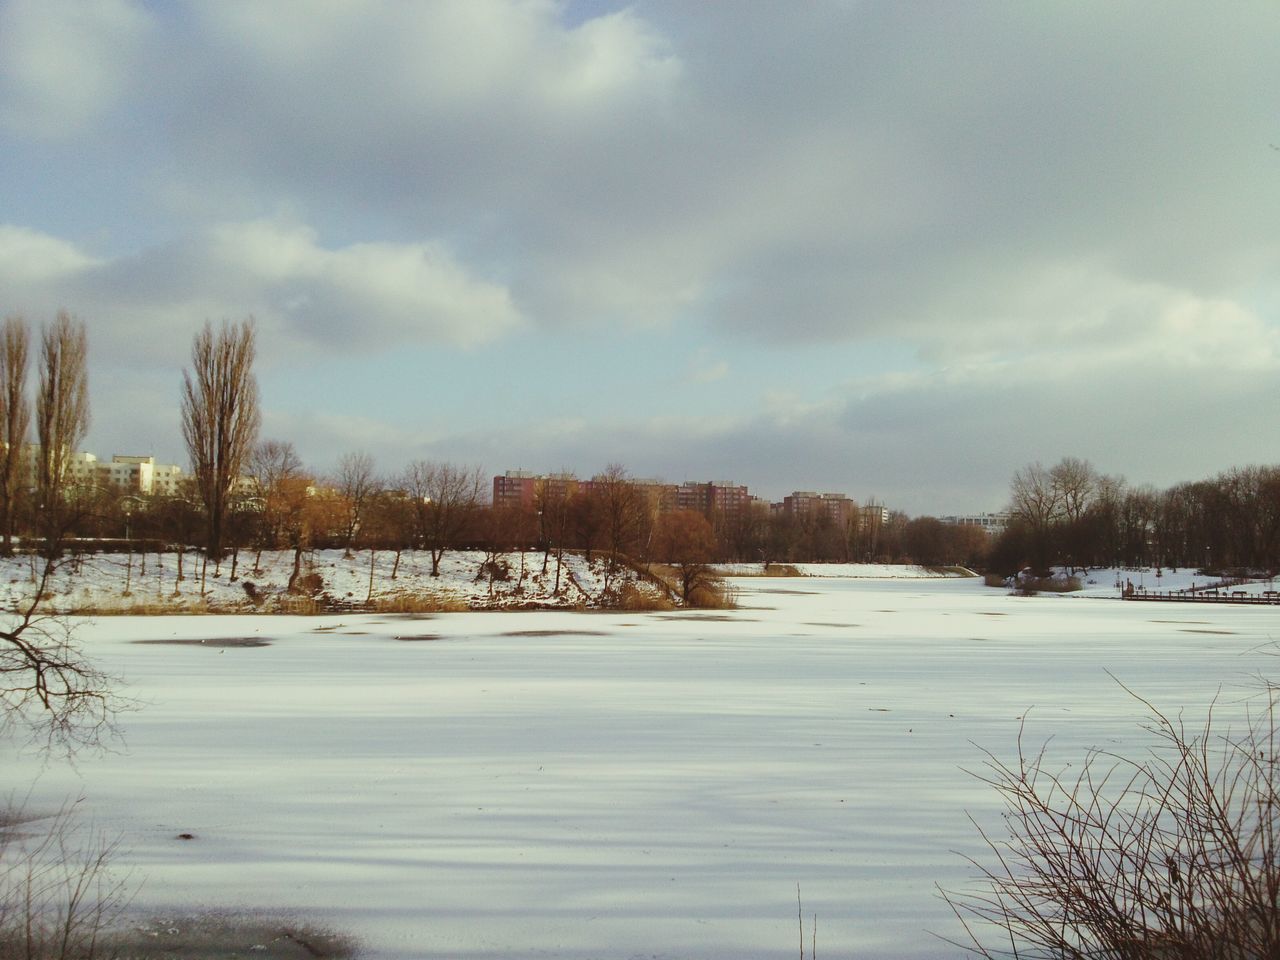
(558, 784)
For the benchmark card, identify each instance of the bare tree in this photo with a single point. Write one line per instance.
(444, 499)
(62, 420)
(355, 483)
(685, 540)
(47, 685)
(553, 501)
(284, 488)
(220, 417)
(622, 512)
(1076, 484)
(15, 422)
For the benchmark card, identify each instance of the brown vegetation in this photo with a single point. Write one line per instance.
(1175, 854)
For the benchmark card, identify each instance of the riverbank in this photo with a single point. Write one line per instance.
(329, 580)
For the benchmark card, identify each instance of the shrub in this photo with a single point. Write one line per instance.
(1172, 855)
(635, 597)
(58, 897)
(309, 584)
(1030, 586)
(781, 570)
(712, 595)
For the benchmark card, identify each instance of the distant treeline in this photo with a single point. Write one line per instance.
(1070, 514)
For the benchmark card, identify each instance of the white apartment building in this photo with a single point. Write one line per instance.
(125, 474)
(992, 523)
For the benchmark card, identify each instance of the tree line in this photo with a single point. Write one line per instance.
(1070, 514)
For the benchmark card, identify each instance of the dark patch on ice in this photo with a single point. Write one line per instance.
(1224, 632)
(221, 936)
(878, 709)
(818, 623)
(988, 613)
(216, 642)
(1177, 621)
(706, 618)
(418, 638)
(554, 633)
(794, 593)
(886, 611)
(185, 836)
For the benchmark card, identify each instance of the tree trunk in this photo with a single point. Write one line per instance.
(297, 568)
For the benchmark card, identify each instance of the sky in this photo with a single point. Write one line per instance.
(890, 249)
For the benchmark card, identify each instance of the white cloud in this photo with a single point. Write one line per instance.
(28, 257)
(368, 296)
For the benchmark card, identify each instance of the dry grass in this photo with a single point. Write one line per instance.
(149, 608)
(769, 570)
(406, 602)
(782, 570)
(712, 595)
(637, 597)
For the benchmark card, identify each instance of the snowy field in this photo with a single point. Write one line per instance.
(612, 785)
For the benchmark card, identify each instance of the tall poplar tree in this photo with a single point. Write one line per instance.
(220, 417)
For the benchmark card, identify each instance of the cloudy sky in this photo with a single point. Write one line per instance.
(894, 249)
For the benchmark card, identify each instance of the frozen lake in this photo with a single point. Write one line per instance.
(618, 785)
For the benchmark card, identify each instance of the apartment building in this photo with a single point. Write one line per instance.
(521, 488)
(125, 473)
(807, 504)
(991, 523)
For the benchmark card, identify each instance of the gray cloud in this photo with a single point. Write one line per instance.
(1066, 211)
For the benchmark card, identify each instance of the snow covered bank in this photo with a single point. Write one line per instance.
(114, 582)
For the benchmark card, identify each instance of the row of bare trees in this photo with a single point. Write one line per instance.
(1071, 514)
(36, 492)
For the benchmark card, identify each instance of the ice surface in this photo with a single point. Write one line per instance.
(616, 785)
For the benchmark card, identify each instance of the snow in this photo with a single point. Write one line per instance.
(614, 785)
(119, 582)
(878, 571)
